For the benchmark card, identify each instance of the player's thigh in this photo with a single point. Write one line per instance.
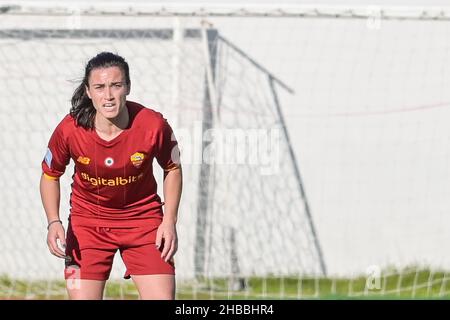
(155, 286)
(82, 289)
(141, 257)
(90, 253)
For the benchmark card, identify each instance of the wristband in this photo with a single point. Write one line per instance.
(52, 222)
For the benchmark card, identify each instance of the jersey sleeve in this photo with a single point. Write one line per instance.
(167, 152)
(57, 156)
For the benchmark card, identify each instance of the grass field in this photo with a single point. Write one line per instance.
(407, 284)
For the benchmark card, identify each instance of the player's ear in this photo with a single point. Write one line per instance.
(128, 89)
(86, 88)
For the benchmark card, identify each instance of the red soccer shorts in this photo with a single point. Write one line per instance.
(91, 251)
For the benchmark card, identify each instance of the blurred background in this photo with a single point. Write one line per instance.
(314, 140)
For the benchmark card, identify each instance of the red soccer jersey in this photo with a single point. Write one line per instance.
(113, 182)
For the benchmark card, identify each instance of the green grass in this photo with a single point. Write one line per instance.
(405, 284)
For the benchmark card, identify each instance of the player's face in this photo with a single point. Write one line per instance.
(108, 90)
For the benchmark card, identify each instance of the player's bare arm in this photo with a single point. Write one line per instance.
(50, 195)
(167, 235)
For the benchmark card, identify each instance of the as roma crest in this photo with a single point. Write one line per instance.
(137, 159)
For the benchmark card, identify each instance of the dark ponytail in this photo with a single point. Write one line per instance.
(82, 109)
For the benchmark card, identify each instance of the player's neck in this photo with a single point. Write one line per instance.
(112, 126)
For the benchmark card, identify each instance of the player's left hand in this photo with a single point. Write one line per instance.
(167, 240)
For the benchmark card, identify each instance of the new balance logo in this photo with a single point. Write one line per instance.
(83, 160)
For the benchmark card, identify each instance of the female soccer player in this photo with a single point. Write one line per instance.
(114, 204)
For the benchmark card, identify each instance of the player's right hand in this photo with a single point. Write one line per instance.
(56, 232)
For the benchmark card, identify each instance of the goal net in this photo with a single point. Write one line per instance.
(313, 143)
